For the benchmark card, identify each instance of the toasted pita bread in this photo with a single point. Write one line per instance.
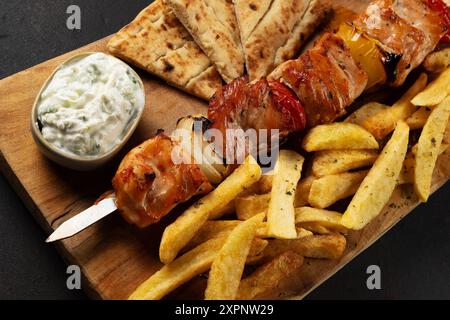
(210, 22)
(249, 13)
(158, 43)
(314, 15)
(280, 33)
(224, 10)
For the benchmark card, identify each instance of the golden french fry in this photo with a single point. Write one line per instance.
(211, 230)
(178, 234)
(428, 148)
(407, 173)
(302, 192)
(280, 214)
(227, 210)
(418, 119)
(384, 122)
(302, 232)
(442, 149)
(438, 61)
(262, 232)
(265, 183)
(267, 277)
(366, 111)
(316, 228)
(223, 228)
(331, 220)
(435, 92)
(330, 246)
(329, 189)
(380, 182)
(257, 247)
(249, 206)
(339, 161)
(339, 135)
(228, 267)
(446, 140)
(179, 271)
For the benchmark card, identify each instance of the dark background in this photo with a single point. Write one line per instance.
(414, 257)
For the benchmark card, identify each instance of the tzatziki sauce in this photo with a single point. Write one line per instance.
(89, 105)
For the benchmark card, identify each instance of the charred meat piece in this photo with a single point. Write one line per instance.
(260, 105)
(407, 29)
(325, 78)
(148, 184)
(443, 10)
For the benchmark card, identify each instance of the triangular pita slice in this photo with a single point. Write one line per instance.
(280, 33)
(313, 17)
(210, 22)
(249, 13)
(158, 43)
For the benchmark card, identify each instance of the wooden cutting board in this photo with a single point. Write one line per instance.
(114, 256)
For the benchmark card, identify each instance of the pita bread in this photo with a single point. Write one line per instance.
(158, 43)
(249, 13)
(279, 34)
(314, 15)
(224, 10)
(210, 22)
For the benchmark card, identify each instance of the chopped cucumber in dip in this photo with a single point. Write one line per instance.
(89, 104)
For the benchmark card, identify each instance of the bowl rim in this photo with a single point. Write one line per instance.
(73, 157)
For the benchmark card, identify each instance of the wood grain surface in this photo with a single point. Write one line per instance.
(114, 256)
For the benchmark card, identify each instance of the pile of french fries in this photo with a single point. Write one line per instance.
(281, 218)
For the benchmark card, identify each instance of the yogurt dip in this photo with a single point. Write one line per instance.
(89, 105)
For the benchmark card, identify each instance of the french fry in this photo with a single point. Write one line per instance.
(267, 277)
(438, 61)
(302, 192)
(380, 182)
(339, 161)
(407, 173)
(228, 267)
(280, 214)
(210, 230)
(179, 233)
(428, 148)
(223, 228)
(179, 271)
(339, 135)
(316, 228)
(302, 233)
(257, 247)
(222, 212)
(384, 122)
(418, 119)
(262, 232)
(435, 92)
(265, 183)
(366, 111)
(329, 189)
(249, 206)
(444, 145)
(331, 220)
(330, 246)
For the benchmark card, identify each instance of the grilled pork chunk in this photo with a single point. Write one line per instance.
(260, 105)
(148, 185)
(325, 78)
(406, 30)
